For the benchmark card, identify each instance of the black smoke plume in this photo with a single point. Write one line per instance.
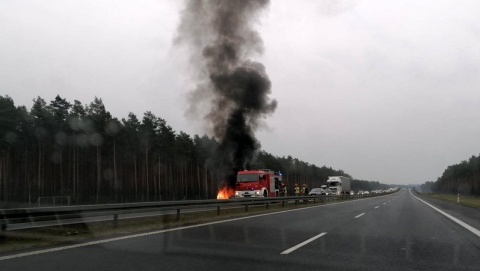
(221, 39)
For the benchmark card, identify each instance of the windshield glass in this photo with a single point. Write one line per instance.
(238, 134)
(247, 178)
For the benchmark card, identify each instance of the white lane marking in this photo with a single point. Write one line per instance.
(384, 203)
(303, 243)
(7, 257)
(376, 207)
(359, 215)
(456, 220)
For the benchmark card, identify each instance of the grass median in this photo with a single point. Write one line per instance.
(31, 239)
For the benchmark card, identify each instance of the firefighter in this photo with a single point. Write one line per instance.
(305, 190)
(297, 190)
(284, 190)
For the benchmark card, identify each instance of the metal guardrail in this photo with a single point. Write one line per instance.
(40, 214)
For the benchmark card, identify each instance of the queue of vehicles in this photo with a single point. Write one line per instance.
(268, 183)
(378, 191)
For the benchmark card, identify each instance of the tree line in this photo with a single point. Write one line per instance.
(463, 178)
(82, 151)
(364, 185)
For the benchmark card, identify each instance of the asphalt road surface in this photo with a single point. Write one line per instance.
(391, 232)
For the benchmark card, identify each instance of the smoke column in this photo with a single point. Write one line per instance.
(221, 42)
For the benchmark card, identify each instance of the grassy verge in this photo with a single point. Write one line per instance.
(25, 240)
(464, 200)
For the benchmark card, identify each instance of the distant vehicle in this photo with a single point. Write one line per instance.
(339, 185)
(360, 192)
(366, 193)
(315, 191)
(319, 191)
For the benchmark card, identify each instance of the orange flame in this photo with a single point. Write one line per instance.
(225, 193)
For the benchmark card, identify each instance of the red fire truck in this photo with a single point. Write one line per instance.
(258, 183)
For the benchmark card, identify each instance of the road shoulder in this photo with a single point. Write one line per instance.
(468, 215)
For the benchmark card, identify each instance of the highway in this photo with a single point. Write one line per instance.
(391, 232)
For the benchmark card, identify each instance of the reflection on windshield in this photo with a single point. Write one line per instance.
(247, 178)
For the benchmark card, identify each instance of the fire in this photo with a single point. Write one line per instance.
(225, 193)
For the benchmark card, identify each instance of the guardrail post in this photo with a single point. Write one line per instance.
(283, 203)
(246, 207)
(218, 210)
(3, 231)
(266, 206)
(115, 221)
(178, 214)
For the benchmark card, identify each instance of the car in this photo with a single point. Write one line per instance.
(315, 191)
(319, 191)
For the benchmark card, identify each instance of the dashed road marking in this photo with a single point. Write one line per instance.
(359, 215)
(376, 207)
(303, 243)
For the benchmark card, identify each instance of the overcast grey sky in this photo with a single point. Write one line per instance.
(385, 90)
